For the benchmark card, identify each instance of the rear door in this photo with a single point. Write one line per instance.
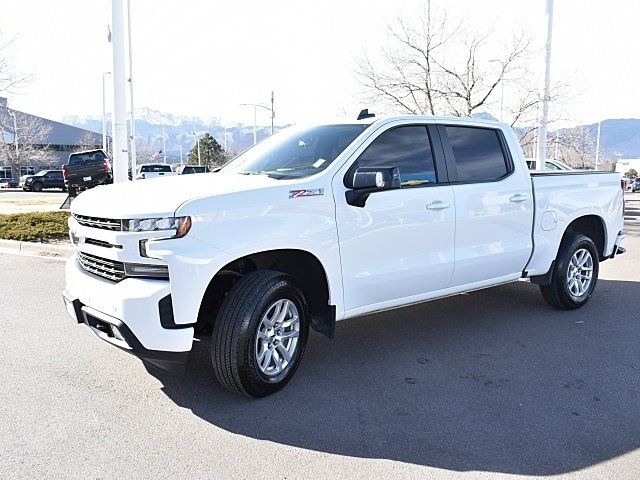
(494, 205)
(400, 243)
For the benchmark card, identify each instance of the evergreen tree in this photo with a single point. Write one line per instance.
(211, 152)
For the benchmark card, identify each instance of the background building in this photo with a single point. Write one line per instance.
(29, 143)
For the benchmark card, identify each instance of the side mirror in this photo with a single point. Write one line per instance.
(368, 180)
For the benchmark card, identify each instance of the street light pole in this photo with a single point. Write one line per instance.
(273, 112)
(15, 132)
(104, 112)
(598, 145)
(255, 114)
(180, 146)
(132, 115)
(542, 136)
(164, 146)
(198, 148)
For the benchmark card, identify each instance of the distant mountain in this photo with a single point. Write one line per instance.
(178, 131)
(618, 137)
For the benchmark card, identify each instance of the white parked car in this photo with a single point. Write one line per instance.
(550, 165)
(154, 170)
(323, 223)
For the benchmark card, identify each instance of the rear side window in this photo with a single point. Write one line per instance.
(478, 154)
(407, 148)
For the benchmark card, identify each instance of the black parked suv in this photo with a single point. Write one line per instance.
(635, 186)
(44, 179)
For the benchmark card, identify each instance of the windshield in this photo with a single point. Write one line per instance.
(296, 152)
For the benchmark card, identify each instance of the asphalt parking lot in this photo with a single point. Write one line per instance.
(492, 384)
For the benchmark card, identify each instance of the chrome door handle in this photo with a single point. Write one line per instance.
(518, 197)
(438, 205)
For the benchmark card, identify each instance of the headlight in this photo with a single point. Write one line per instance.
(180, 224)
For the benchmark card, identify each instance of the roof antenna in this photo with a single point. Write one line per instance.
(365, 114)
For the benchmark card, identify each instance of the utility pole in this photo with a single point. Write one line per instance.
(119, 121)
(132, 117)
(598, 145)
(104, 112)
(180, 146)
(542, 137)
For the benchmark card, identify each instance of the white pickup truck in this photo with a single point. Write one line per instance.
(322, 223)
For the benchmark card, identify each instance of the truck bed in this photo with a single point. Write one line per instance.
(560, 197)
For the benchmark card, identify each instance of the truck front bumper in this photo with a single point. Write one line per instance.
(127, 314)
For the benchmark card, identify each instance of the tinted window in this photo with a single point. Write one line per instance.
(86, 157)
(478, 154)
(155, 168)
(407, 148)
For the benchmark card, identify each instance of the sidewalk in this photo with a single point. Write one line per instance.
(62, 249)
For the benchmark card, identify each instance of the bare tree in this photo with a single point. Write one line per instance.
(23, 140)
(87, 142)
(444, 68)
(10, 80)
(577, 147)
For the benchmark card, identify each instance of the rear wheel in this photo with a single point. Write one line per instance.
(260, 334)
(36, 187)
(575, 274)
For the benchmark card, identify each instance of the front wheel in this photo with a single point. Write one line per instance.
(36, 187)
(260, 334)
(575, 274)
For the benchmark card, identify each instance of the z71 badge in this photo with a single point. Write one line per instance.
(314, 192)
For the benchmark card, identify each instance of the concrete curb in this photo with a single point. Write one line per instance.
(36, 248)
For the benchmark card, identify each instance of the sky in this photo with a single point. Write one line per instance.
(203, 58)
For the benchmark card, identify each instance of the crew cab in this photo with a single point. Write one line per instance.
(323, 223)
(85, 170)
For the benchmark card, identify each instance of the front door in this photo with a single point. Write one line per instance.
(400, 244)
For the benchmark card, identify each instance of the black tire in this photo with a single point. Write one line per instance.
(234, 336)
(557, 294)
(72, 192)
(36, 187)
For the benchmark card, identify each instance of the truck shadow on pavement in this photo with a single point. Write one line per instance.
(491, 381)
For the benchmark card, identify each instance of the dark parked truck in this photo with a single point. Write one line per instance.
(86, 170)
(44, 179)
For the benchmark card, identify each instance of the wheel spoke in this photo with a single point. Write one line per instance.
(289, 334)
(266, 359)
(283, 353)
(284, 311)
(277, 361)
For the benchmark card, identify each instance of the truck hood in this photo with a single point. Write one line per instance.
(161, 196)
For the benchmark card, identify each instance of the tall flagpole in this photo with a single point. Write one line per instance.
(119, 121)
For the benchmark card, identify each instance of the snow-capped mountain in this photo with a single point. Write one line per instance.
(178, 131)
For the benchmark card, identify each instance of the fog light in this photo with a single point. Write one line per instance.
(116, 333)
(144, 270)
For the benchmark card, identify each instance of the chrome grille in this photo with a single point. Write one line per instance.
(97, 222)
(103, 267)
